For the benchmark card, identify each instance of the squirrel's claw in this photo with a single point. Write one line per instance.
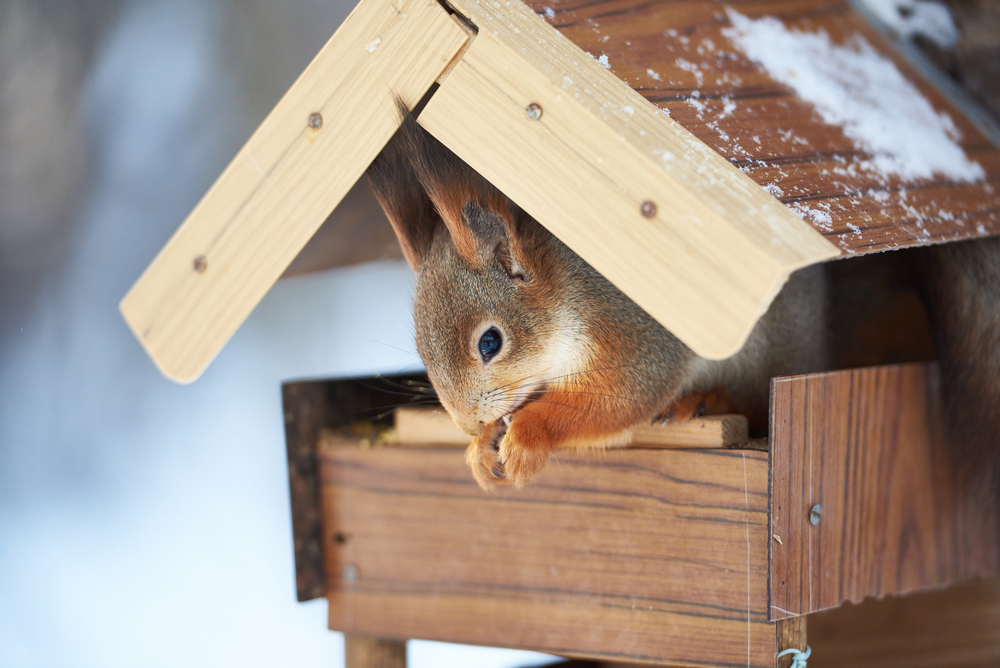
(483, 458)
(498, 457)
(695, 404)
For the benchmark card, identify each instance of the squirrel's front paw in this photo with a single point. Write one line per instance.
(483, 457)
(499, 457)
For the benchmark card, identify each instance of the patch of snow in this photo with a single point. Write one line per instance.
(654, 75)
(728, 106)
(603, 59)
(665, 155)
(628, 109)
(374, 45)
(550, 13)
(688, 66)
(858, 89)
(696, 102)
(821, 219)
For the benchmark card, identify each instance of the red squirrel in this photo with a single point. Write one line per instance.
(530, 349)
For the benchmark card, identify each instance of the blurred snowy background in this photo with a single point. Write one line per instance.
(144, 523)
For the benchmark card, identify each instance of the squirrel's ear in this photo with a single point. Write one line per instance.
(496, 237)
(417, 165)
(402, 197)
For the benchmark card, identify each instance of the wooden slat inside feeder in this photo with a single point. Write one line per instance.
(434, 427)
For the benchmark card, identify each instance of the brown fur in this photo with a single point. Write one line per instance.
(961, 286)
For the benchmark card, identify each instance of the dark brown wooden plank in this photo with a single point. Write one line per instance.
(635, 555)
(305, 414)
(677, 56)
(957, 627)
(898, 514)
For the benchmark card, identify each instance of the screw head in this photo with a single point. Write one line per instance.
(534, 111)
(315, 120)
(200, 264)
(648, 209)
(351, 572)
(815, 513)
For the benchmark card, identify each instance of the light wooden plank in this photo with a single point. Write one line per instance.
(639, 555)
(709, 431)
(898, 511)
(418, 427)
(718, 248)
(286, 179)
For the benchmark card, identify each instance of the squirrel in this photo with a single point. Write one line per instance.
(530, 349)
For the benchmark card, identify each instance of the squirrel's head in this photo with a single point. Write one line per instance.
(489, 327)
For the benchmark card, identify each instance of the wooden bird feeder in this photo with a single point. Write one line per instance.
(655, 142)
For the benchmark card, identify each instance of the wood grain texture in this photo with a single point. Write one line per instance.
(286, 179)
(418, 427)
(955, 627)
(710, 431)
(898, 514)
(790, 634)
(367, 652)
(597, 153)
(310, 409)
(677, 55)
(628, 555)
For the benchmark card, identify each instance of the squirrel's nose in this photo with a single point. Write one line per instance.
(470, 425)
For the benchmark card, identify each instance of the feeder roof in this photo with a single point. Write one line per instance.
(696, 156)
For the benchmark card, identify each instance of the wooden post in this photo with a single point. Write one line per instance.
(368, 652)
(789, 634)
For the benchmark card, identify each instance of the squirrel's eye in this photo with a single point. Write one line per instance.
(489, 343)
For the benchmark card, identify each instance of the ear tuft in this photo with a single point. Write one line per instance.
(401, 195)
(421, 184)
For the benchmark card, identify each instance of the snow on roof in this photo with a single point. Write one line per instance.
(856, 88)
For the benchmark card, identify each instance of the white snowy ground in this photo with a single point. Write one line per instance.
(142, 523)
